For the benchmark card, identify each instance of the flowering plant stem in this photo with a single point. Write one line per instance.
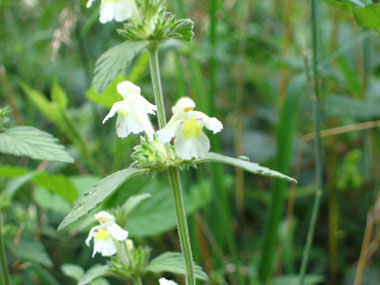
(3, 259)
(174, 176)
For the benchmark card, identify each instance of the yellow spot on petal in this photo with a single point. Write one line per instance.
(123, 113)
(101, 220)
(101, 235)
(191, 129)
(188, 109)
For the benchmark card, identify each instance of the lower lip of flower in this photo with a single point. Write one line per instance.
(191, 129)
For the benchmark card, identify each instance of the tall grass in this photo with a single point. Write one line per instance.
(318, 148)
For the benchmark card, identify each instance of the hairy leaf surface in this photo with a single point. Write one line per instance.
(34, 143)
(173, 262)
(113, 61)
(99, 193)
(251, 167)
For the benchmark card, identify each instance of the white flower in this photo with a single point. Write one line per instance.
(187, 126)
(120, 10)
(164, 281)
(105, 234)
(132, 111)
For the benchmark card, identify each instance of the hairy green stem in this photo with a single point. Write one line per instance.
(174, 177)
(318, 148)
(3, 257)
(157, 87)
(182, 224)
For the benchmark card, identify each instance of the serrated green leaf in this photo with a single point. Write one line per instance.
(58, 95)
(59, 116)
(133, 201)
(368, 16)
(57, 184)
(49, 201)
(183, 30)
(251, 167)
(73, 271)
(12, 171)
(45, 276)
(34, 143)
(346, 107)
(99, 193)
(94, 273)
(16, 183)
(113, 61)
(109, 96)
(34, 251)
(100, 281)
(49, 109)
(156, 215)
(173, 262)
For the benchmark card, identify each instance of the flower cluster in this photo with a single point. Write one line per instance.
(106, 234)
(185, 126)
(146, 20)
(132, 111)
(130, 261)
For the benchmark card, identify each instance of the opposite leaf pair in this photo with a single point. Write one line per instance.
(186, 125)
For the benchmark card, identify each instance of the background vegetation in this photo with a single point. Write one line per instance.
(246, 66)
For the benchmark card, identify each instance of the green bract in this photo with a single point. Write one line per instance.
(132, 267)
(157, 24)
(154, 155)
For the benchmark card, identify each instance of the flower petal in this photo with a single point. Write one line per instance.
(166, 134)
(112, 112)
(146, 125)
(126, 88)
(123, 10)
(107, 9)
(149, 108)
(106, 247)
(164, 281)
(187, 149)
(213, 124)
(89, 3)
(183, 105)
(103, 217)
(125, 126)
(91, 235)
(117, 232)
